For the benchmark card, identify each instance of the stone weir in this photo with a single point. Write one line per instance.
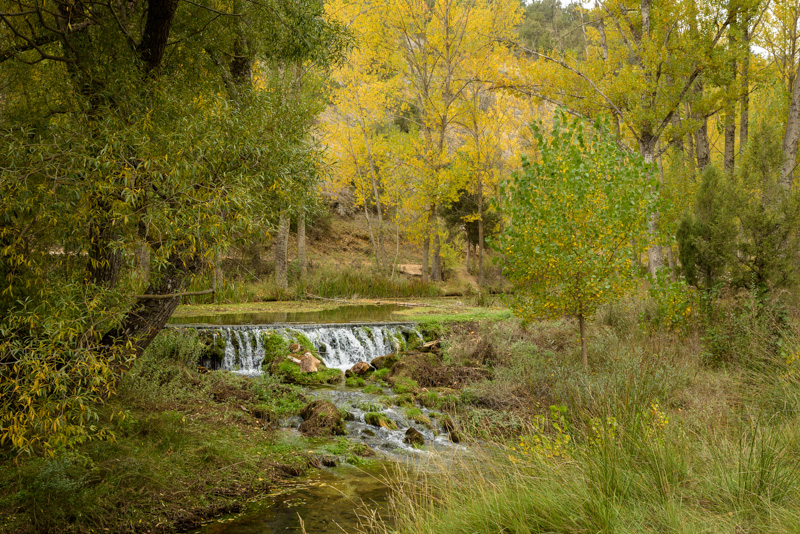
(339, 346)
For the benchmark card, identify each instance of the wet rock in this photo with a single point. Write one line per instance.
(329, 461)
(322, 418)
(379, 419)
(385, 362)
(294, 348)
(309, 364)
(368, 432)
(359, 369)
(414, 437)
(432, 346)
(450, 428)
(348, 416)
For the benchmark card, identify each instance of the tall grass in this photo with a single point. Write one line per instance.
(320, 282)
(655, 438)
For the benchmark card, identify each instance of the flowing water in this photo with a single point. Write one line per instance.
(332, 499)
(339, 346)
(368, 313)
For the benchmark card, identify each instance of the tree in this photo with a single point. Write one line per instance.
(571, 218)
(643, 61)
(125, 124)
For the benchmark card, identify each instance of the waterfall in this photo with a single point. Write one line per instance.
(338, 346)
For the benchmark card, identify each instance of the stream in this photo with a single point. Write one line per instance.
(332, 499)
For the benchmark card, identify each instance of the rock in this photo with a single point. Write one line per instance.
(322, 418)
(384, 362)
(450, 427)
(378, 419)
(309, 364)
(414, 437)
(329, 461)
(293, 359)
(432, 346)
(349, 416)
(359, 369)
(294, 348)
(368, 432)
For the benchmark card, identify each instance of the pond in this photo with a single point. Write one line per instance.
(328, 501)
(342, 314)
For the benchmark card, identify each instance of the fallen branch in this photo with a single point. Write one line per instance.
(173, 295)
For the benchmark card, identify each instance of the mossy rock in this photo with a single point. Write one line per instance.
(290, 372)
(449, 426)
(355, 382)
(404, 385)
(405, 400)
(414, 437)
(385, 362)
(322, 418)
(416, 415)
(373, 389)
(379, 419)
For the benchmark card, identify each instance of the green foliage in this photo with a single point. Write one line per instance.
(274, 346)
(674, 304)
(573, 215)
(743, 230)
(372, 389)
(355, 382)
(405, 385)
(290, 372)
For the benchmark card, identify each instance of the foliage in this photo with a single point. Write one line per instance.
(572, 217)
(675, 304)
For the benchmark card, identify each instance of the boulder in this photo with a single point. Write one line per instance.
(322, 418)
(434, 346)
(359, 369)
(450, 427)
(378, 419)
(294, 348)
(414, 437)
(309, 364)
(384, 362)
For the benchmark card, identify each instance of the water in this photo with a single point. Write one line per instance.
(328, 501)
(343, 314)
(338, 346)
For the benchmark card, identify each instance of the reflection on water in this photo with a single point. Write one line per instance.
(327, 502)
(342, 314)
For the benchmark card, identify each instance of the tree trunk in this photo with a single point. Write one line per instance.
(466, 263)
(702, 145)
(730, 117)
(436, 262)
(219, 276)
(301, 244)
(791, 136)
(281, 251)
(654, 254)
(744, 114)
(584, 350)
(480, 233)
(143, 261)
(148, 315)
(426, 248)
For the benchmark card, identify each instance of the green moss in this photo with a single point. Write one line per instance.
(405, 385)
(416, 415)
(381, 373)
(373, 389)
(379, 419)
(406, 400)
(371, 406)
(274, 346)
(290, 372)
(303, 341)
(355, 382)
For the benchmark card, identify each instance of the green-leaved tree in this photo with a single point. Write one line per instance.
(573, 213)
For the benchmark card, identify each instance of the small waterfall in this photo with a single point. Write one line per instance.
(338, 346)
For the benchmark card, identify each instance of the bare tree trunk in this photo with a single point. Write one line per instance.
(480, 233)
(426, 249)
(791, 136)
(301, 244)
(702, 145)
(436, 262)
(744, 114)
(654, 254)
(467, 256)
(281, 251)
(730, 118)
(219, 277)
(143, 261)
